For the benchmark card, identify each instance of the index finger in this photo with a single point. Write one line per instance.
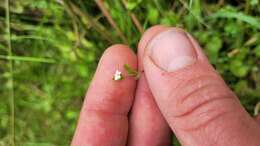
(103, 118)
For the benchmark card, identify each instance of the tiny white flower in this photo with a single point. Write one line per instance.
(117, 75)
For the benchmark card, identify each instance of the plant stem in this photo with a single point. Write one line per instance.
(134, 19)
(28, 59)
(247, 7)
(75, 27)
(199, 19)
(12, 110)
(97, 26)
(105, 12)
(220, 3)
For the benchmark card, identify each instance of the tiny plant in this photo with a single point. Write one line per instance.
(118, 76)
(132, 72)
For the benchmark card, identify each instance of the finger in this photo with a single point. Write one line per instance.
(103, 118)
(257, 118)
(147, 36)
(193, 98)
(147, 126)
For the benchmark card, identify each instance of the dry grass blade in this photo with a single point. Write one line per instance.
(220, 3)
(256, 110)
(105, 12)
(90, 21)
(134, 19)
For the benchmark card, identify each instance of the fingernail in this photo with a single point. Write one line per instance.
(172, 50)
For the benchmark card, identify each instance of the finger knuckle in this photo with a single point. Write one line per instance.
(200, 100)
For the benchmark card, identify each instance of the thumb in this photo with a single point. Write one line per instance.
(194, 99)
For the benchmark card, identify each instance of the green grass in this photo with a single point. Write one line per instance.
(49, 50)
(10, 79)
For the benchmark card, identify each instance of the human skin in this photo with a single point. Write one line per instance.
(178, 92)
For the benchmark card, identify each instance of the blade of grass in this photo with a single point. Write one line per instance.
(237, 15)
(158, 6)
(75, 27)
(247, 7)
(21, 37)
(29, 59)
(134, 19)
(11, 80)
(199, 19)
(105, 12)
(89, 21)
(190, 3)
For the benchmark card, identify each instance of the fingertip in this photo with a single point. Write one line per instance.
(113, 59)
(156, 30)
(147, 36)
(103, 117)
(120, 52)
(120, 48)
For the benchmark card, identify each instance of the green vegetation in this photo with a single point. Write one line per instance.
(49, 50)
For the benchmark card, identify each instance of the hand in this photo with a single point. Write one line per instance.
(185, 95)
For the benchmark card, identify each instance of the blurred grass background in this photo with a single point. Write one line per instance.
(49, 50)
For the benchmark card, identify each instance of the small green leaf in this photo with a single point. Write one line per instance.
(132, 4)
(257, 51)
(153, 15)
(212, 48)
(132, 72)
(238, 68)
(170, 18)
